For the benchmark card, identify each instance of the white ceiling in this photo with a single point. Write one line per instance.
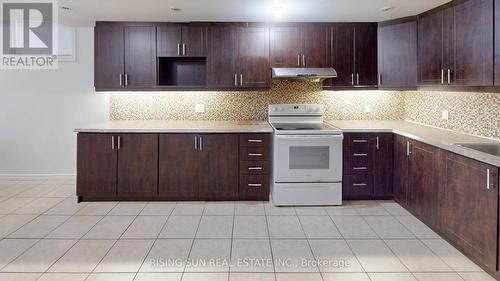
(86, 12)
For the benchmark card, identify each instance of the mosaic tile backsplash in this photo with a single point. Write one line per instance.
(475, 113)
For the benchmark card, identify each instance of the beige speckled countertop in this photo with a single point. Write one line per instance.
(168, 126)
(444, 139)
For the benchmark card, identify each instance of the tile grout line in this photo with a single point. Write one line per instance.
(309, 245)
(194, 238)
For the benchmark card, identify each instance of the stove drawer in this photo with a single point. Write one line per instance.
(254, 167)
(254, 153)
(262, 140)
(254, 187)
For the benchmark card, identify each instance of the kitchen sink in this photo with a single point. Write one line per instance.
(489, 148)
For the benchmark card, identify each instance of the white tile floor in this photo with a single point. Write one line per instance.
(46, 235)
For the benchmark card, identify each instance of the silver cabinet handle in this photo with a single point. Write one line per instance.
(256, 141)
(112, 142)
(121, 80)
(359, 168)
(360, 141)
(178, 49)
(378, 143)
(241, 79)
(126, 79)
(352, 79)
(357, 78)
(254, 154)
(359, 184)
(303, 60)
(195, 142)
(119, 142)
(254, 185)
(360, 154)
(183, 49)
(449, 76)
(408, 151)
(235, 79)
(254, 168)
(380, 79)
(201, 143)
(488, 179)
(442, 75)
(298, 60)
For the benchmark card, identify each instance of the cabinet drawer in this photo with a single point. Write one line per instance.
(254, 187)
(358, 139)
(255, 140)
(357, 160)
(254, 167)
(357, 186)
(254, 153)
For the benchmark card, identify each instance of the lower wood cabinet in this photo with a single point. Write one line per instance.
(173, 166)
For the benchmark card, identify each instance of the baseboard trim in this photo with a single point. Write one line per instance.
(37, 176)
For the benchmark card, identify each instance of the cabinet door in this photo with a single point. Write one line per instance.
(109, 57)
(430, 49)
(222, 56)
(472, 51)
(471, 207)
(343, 55)
(315, 46)
(285, 47)
(193, 38)
(137, 165)
(219, 167)
(382, 166)
(400, 175)
(140, 56)
(365, 54)
(96, 165)
(397, 59)
(422, 181)
(254, 56)
(178, 166)
(169, 39)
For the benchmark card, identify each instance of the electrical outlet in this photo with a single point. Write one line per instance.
(368, 108)
(199, 108)
(445, 114)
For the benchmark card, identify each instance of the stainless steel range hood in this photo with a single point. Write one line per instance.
(311, 74)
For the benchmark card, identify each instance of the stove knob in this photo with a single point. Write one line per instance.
(309, 109)
(316, 109)
(274, 109)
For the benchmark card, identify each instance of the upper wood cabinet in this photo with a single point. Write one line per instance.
(354, 55)
(180, 40)
(125, 56)
(456, 45)
(397, 55)
(238, 57)
(306, 45)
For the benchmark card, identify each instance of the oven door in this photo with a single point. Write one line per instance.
(299, 158)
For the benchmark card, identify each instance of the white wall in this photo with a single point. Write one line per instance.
(39, 110)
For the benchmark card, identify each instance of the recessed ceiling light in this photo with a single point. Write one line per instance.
(174, 9)
(387, 8)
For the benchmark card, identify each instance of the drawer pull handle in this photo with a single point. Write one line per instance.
(256, 141)
(254, 185)
(359, 168)
(360, 154)
(254, 168)
(359, 184)
(254, 154)
(359, 141)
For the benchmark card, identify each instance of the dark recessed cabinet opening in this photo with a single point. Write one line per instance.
(182, 71)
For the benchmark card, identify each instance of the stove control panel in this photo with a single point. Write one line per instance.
(296, 109)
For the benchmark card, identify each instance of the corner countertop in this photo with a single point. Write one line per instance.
(171, 126)
(442, 138)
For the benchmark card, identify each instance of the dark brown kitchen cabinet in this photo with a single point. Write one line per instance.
(198, 167)
(354, 55)
(470, 208)
(125, 56)
(238, 57)
(180, 40)
(400, 171)
(497, 45)
(111, 166)
(456, 45)
(367, 167)
(303, 45)
(397, 55)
